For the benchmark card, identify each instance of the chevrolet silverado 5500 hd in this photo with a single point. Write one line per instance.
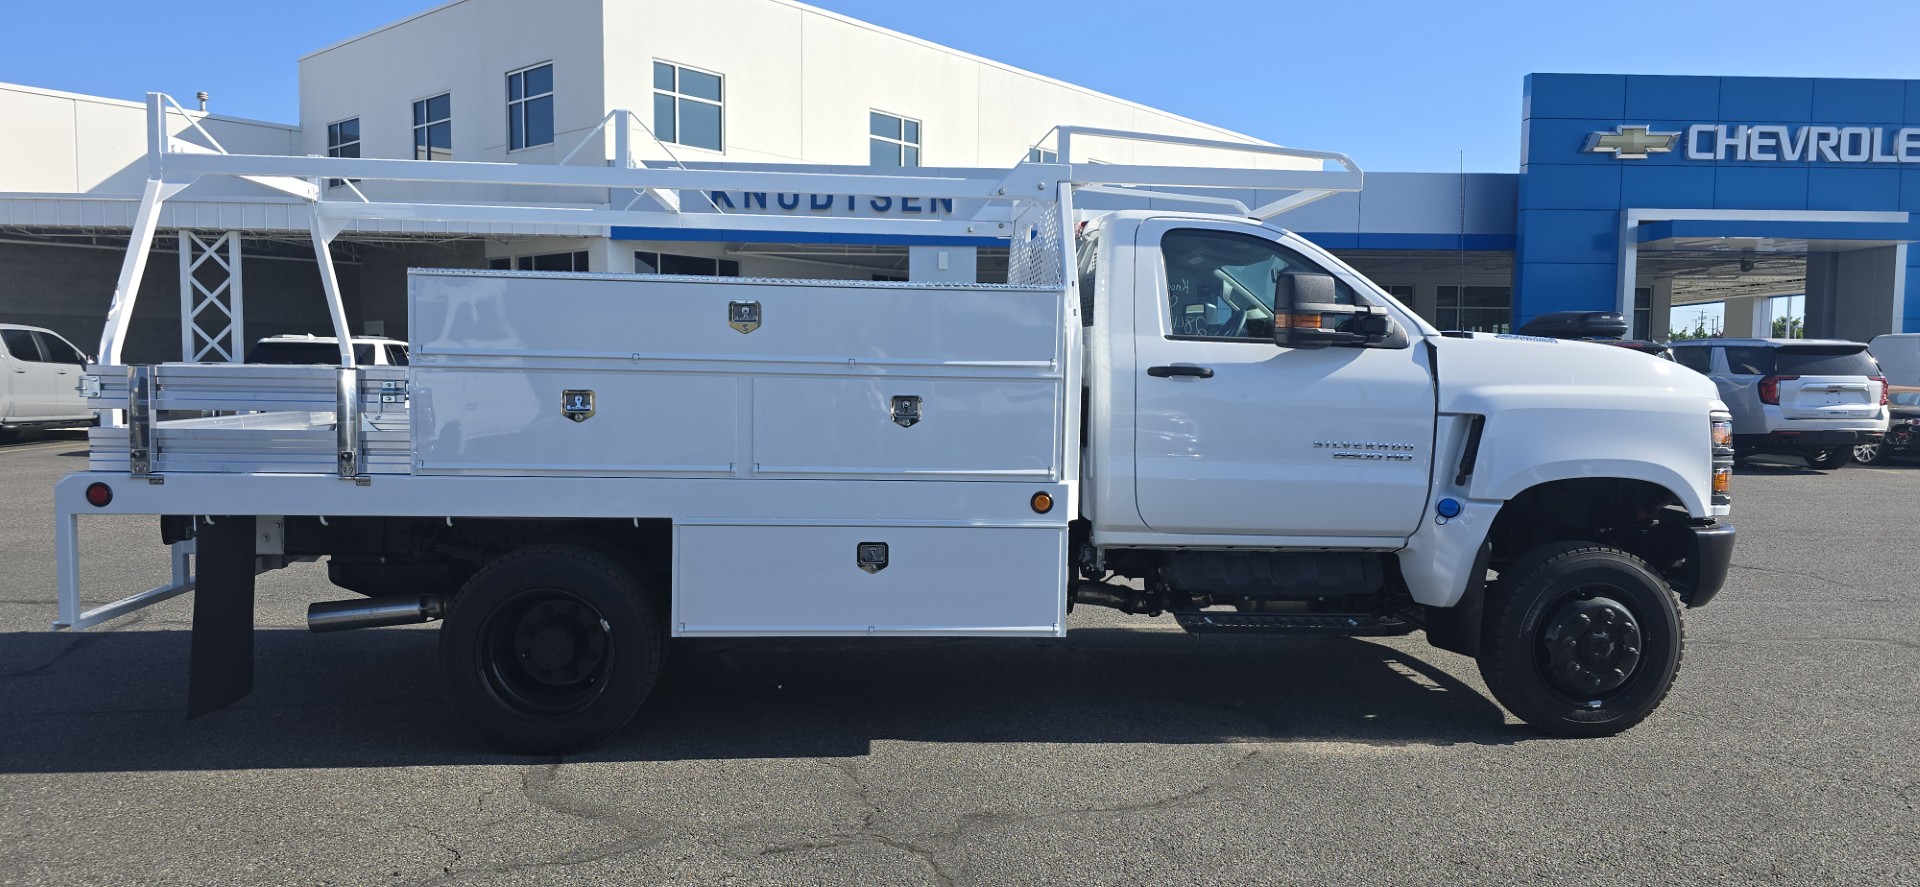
(1200, 415)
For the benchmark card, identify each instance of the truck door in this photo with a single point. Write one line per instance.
(66, 363)
(1236, 436)
(31, 375)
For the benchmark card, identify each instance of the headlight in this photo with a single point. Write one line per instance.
(1722, 436)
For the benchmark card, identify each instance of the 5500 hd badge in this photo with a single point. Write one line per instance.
(1370, 451)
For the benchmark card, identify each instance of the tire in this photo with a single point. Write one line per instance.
(551, 648)
(9, 435)
(1828, 460)
(1556, 671)
(1870, 453)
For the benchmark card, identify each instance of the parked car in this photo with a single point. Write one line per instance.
(325, 350)
(1602, 327)
(1899, 356)
(1813, 398)
(39, 381)
(1903, 430)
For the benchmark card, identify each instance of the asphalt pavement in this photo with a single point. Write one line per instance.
(1128, 753)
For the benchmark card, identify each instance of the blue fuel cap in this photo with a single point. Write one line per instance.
(1448, 508)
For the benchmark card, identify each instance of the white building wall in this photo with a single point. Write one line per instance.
(799, 83)
(63, 143)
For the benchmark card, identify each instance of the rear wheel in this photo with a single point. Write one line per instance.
(1828, 459)
(1581, 639)
(551, 648)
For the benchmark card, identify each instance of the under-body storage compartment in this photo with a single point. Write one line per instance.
(796, 580)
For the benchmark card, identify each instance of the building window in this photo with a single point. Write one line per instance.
(343, 140)
(1479, 309)
(668, 263)
(530, 107)
(895, 142)
(1042, 155)
(569, 261)
(1642, 312)
(433, 128)
(688, 106)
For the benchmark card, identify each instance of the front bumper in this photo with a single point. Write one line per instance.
(1707, 565)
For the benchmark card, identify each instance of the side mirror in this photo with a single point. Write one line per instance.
(1308, 314)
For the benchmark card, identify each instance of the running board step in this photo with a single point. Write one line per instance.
(1207, 622)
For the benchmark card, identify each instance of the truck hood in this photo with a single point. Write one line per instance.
(1559, 410)
(1475, 366)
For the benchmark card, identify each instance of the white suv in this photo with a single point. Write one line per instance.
(325, 350)
(1813, 398)
(39, 381)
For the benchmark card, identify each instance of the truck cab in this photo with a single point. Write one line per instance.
(1258, 458)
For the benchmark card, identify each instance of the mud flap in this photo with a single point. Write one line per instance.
(221, 666)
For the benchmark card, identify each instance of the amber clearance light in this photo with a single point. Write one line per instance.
(1042, 502)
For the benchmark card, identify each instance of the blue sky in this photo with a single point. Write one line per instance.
(1411, 85)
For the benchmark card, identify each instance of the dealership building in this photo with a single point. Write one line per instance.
(1635, 193)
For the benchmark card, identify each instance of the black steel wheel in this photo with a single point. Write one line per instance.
(551, 648)
(1581, 639)
(1828, 459)
(1869, 453)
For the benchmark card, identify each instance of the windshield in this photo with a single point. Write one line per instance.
(1802, 360)
(323, 353)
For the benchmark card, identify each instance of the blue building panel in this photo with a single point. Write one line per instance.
(1913, 102)
(1570, 235)
(1661, 98)
(1561, 140)
(1859, 101)
(1557, 186)
(1854, 189)
(1545, 287)
(1766, 99)
(1601, 96)
(1666, 186)
(1760, 187)
(1910, 192)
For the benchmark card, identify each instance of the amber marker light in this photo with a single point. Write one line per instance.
(1042, 502)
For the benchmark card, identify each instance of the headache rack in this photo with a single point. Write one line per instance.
(351, 422)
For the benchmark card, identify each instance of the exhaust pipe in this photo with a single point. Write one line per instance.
(375, 612)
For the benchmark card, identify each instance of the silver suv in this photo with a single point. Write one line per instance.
(1813, 398)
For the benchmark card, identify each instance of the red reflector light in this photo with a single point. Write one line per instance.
(99, 495)
(1770, 388)
(1883, 387)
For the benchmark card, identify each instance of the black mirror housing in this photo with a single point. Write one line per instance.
(1308, 314)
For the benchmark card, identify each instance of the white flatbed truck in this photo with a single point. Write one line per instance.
(1194, 414)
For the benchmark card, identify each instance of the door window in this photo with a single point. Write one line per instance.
(58, 350)
(1220, 284)
(1700, 360)
(1749, 360)
(20, 344)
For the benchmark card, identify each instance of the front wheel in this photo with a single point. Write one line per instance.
(1869, 453)
(1581, 639)
(551, 648)
(1828, 459)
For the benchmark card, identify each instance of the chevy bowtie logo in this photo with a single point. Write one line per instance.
(1630, 142)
